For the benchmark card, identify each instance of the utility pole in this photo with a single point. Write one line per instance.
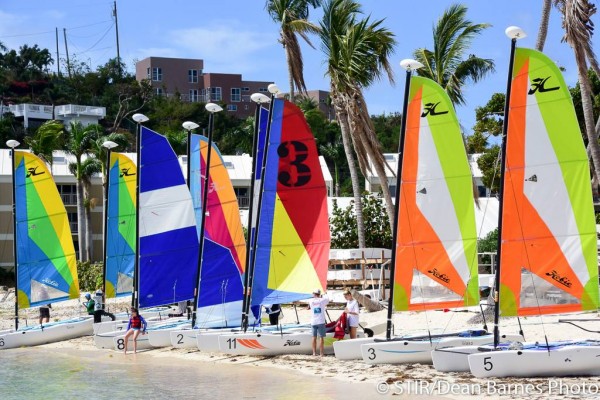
(57, 55)
(67, 51)
(117, 33)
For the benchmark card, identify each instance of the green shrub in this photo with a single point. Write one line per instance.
(90, 276)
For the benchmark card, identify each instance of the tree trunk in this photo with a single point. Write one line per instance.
(290, 75)
(543, 32)
(345, 128)
(81, 222)
(588, 111)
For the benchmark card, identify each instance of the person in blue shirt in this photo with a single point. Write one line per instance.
(137, 324)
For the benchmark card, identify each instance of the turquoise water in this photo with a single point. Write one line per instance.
(39, 373)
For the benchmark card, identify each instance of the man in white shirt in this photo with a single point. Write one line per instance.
(318, 306)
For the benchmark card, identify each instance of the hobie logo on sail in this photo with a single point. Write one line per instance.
(430, 110)
(440, 276)
(50, 282)
(532, 178)
(292, 343)
(298, 173)
(563, 280)
(125, 172)
(33, 172)
(538, 85)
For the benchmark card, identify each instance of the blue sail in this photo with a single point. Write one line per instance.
(168, 256)
(223, 259)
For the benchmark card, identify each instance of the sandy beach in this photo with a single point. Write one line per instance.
(413, 379)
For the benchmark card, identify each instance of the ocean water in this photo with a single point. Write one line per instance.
(39, 373)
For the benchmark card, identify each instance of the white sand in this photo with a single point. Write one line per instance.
(535, 329)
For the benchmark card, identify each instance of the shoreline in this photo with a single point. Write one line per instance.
(414, 379)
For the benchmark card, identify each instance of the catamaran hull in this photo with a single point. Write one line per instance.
(272, 344)
(350, 349)
(142, 343)
(456, 358)
(56, 332)
(162, 337)
(573, 360)
(188, 338)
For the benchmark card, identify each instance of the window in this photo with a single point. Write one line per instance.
(68, 194)
(157, 74)
(59, 160)
(194, 95)
(159, 91)
(389, 157)
(184, 159)
(228, 164)
(215, 94)
(148, 76)
(193, 76)
(262, 89)
(72, 217)
(246, 89)
(236, 94)
(231, 107)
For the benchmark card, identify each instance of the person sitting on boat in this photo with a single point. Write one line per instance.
(273, 311)
(318, 306)
(351, 311)
(45, 313)
(89, 304)
(99, 307)
(137, 324)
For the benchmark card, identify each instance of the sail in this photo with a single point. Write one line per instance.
(224, 254)
(293, 237)
(46, 264)
(436, 250)
(168, 256)
(549, 256)
(121, 232)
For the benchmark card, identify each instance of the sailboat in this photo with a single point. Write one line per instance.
(548, 252)
(45, 261)
(292, 237)
(167, 243)
(434, 254)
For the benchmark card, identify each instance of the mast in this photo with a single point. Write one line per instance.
(139, 119)
(117, 34)
(12, 144)
(273, 89)
(513, 33)
(212, 108)
(409, 66)
(259, 99)
(108, 145)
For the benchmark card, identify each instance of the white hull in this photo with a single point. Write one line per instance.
(569, 360)
(50, 333)
(272, 344)
(110, 326)
(142, 343)
(209, 340)
(105, 340)
(456, 358)
(188, 338)
(161, 337)
(350, 349)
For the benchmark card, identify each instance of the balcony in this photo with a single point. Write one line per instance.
(69, 199)
(68, 110)
(36, 111)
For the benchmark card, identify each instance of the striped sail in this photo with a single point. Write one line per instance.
(121, 232)
(293, 237)
(548, 257)
(168, 256)
(436, 250)
(46, 264)
(224, 255)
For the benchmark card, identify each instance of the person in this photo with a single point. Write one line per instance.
(137, 324)
(99, 307)
(273, 311)
(45, 313)
(318, 307)
(352, 311)
(89, 304)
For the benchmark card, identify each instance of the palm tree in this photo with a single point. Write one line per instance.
(292, 17)
(578, 28)
(80, 142)
(543, 32)
(48, 137)
(357, 53)
(447, 64)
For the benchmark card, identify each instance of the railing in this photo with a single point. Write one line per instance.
(80, 110)
(69, 199)
(244, 201)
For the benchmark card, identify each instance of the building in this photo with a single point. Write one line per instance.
(34, 115)
(186, 78)
(239, 168)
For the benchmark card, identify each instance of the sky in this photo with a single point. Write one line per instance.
(238, 36)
